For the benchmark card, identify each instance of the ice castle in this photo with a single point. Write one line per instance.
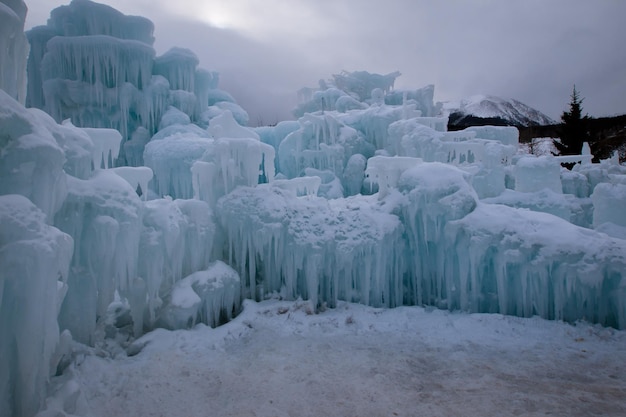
(132, 186)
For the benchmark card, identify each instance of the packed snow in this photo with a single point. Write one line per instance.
(278, 359)
(360, 260)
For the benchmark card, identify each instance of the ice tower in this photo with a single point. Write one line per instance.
(97, 67)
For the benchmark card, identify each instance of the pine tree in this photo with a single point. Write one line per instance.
(574, 129)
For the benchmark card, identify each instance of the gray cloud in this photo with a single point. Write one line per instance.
(533, 50)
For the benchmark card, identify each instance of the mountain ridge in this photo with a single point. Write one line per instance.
(488, 109)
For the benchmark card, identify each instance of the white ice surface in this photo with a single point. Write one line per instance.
(277, 360)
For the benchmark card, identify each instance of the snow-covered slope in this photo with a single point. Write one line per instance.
(510, 111)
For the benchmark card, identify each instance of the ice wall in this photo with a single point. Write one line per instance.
(139, 250)
(528, 263)
(413, 138)
(462, 253)
(95, 80)
(84, 19)
(99, 60)
(324, 250)
(434, 181)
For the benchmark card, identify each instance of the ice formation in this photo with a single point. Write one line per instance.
(97, 67)
(106, 146)
(609, 200)
(171, 159)
(176, 240)
(103, 216)
(35, 260)
(509, 259)
(313, 247)
(138, 177)
(385, 171)
(14, 47)
(31, 160)
(141, 194)
(201, 297)
(433, 181)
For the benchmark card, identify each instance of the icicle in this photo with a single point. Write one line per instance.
(107, 144)
(138, 177)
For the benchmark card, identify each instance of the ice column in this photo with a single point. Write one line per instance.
(437, 194)
(103, 214)
(13, 49)
(176, 240)
(35, 259)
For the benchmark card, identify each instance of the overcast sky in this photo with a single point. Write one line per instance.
(265, 50)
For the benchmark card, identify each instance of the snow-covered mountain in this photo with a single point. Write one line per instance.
(508, 111)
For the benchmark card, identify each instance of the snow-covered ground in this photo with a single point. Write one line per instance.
(278, 359)
(539, 147)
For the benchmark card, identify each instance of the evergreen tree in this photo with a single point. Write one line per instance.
(574, 128)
